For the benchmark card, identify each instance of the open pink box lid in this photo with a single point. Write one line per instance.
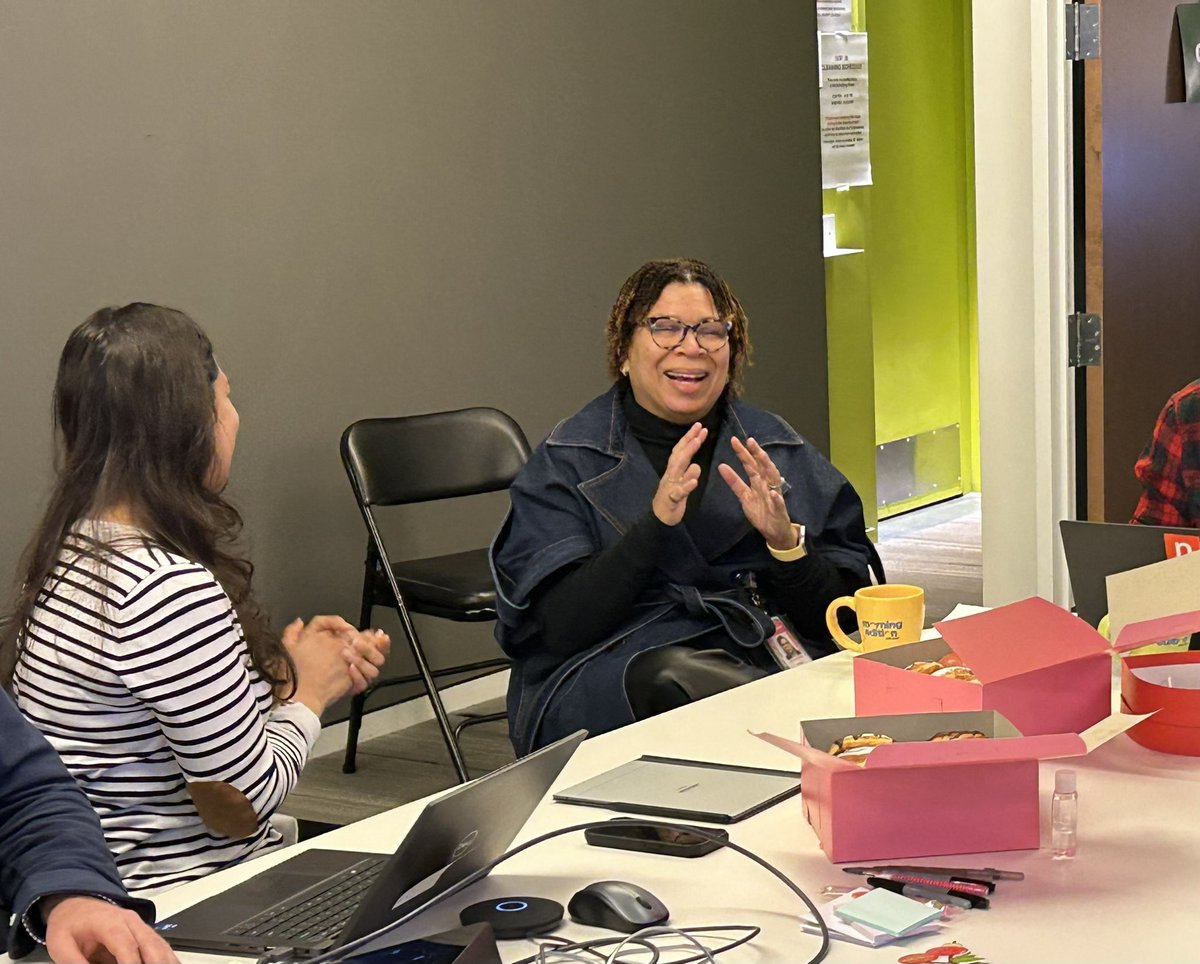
(912, 747)
(1019, 638)
(1153, 630)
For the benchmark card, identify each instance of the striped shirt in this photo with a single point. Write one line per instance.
(136, 670)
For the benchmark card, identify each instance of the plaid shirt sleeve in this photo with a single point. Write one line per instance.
(1169, 468)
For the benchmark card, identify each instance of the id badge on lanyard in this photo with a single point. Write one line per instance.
(783, 644)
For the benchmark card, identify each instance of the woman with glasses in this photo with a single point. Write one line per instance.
(668, 541)
(135, 643)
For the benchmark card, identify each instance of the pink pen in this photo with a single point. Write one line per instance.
(947, 883)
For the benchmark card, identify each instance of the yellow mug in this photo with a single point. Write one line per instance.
(888, 615)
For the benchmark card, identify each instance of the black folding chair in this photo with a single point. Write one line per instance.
(422, 458)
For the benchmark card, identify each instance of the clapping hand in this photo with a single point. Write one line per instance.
(681, 477)
(364, 651)
(332, 659)
(762, 496)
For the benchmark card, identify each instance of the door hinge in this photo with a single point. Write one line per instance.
(1083, 31)
(1083, 340)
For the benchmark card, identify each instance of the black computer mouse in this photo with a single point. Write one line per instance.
(617, 905)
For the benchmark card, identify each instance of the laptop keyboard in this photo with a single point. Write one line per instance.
(314, 915)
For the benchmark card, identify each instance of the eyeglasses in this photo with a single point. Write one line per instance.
(669, 332)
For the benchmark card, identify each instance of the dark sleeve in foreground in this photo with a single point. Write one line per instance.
(583, 605)
(804, 589)
(50, 839)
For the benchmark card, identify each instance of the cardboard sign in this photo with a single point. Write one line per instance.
(1155, 602)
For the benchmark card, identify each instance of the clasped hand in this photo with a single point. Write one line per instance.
(760, 494)
(333, 658)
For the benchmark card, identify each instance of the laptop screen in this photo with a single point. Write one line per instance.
(1097, 550)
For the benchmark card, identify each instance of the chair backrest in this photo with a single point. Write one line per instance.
(420, 458)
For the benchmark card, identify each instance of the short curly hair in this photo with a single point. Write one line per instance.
(643, 288)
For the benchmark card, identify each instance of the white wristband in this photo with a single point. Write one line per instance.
(791, 555)
(39, 933)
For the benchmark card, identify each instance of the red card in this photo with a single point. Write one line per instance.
(1178, 545)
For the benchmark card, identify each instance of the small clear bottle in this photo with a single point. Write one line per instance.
(1064, 815)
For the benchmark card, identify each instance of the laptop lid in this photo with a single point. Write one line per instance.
(1096, 550)
(453, 836)
(458, 833)
(684, 789)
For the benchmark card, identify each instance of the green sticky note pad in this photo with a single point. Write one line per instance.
(888, 912)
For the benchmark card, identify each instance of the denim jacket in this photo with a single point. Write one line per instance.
(50, 839)
(581, 490)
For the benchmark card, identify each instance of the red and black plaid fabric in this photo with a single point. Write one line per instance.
(1169, 468)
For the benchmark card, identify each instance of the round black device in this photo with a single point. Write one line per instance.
(513, 917)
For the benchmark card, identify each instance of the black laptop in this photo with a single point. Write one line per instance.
(1097, 550)
(321, 899)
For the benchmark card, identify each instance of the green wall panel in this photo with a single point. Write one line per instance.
(916, 224)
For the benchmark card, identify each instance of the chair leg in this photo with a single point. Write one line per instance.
(359, 702)
(377, 554)
(435, 699)
(353, 725)
(439, 712)
(472, 720)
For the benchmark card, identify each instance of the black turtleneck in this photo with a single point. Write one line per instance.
(658, 438)
(582, 605)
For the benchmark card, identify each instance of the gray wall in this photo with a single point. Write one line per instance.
(387, 207)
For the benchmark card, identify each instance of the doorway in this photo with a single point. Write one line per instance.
(1141, 216)
(900, 289)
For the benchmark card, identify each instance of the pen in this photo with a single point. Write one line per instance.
(919, 892)
(979, 873)
(977, 888)
(947, 895)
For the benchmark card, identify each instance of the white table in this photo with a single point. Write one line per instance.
(1127, 896)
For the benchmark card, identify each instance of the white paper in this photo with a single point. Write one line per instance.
(958, 612)
(833, 16)
(1100, 733)
(845, 114)
(963, 609)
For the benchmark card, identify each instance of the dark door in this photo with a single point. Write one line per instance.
(1142, 233)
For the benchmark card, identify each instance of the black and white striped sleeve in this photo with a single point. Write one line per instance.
(181, 654)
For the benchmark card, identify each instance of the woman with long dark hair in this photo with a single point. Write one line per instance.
(135, 643)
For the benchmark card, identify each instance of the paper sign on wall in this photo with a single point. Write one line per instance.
(845, 117)
(833, 16)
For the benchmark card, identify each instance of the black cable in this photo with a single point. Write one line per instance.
(589, 946)
(340, 953)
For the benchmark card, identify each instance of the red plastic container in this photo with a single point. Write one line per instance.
(1175, 728)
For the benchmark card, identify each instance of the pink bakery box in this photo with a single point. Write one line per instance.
(1044, 668)
(914, 798)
